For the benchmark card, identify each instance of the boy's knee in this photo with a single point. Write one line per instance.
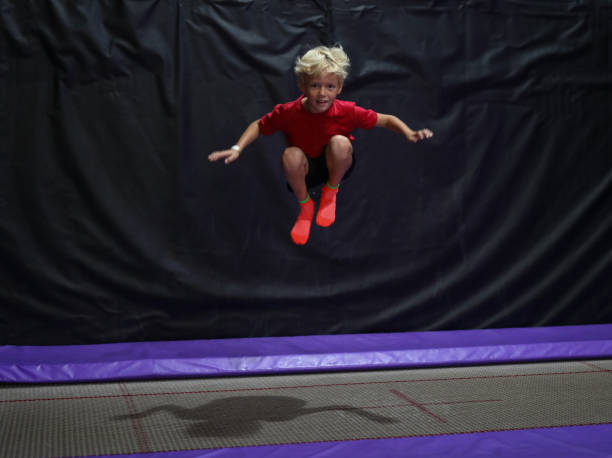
(340, 147)
(293, 158)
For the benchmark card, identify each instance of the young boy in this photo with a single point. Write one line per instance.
(318, 129)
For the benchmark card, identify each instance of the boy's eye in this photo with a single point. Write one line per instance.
(318, 85)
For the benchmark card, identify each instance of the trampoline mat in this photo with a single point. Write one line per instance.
(191, 414)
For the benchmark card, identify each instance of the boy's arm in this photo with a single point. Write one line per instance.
(397, 125)
(230, 155)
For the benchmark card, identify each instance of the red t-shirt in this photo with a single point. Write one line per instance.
(311, 131)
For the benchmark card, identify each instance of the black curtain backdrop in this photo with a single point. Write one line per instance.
(115, 227)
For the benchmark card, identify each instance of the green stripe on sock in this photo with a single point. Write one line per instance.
(305, 200)
(332, 187)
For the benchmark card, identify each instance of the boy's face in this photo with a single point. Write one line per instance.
(320, 91)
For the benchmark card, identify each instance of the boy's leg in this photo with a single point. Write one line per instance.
(295, 168)
(339, 158)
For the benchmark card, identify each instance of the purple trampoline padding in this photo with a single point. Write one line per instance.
(270, 355)
(564, 442)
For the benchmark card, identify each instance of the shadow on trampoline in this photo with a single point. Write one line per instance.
(244, 415)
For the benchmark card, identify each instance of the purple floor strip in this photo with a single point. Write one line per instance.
(564, 442)
(273, 355)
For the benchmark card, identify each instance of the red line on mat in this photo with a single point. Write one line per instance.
(440, 403)
(419, 406)
(447, 403)
(595, 366)
(139, 431)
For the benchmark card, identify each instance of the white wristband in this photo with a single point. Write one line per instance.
(236, 148)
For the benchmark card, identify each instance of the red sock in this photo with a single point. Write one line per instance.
(301, 228)
(327, 209)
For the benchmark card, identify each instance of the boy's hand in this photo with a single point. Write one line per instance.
(422, 134)
(229, 155)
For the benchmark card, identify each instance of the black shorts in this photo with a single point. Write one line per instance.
(318, 173)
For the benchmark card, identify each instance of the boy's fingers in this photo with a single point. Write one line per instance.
(425, 133)
(216, 155)
(230, 156)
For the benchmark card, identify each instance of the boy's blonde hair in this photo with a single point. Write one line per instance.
(323, 60)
